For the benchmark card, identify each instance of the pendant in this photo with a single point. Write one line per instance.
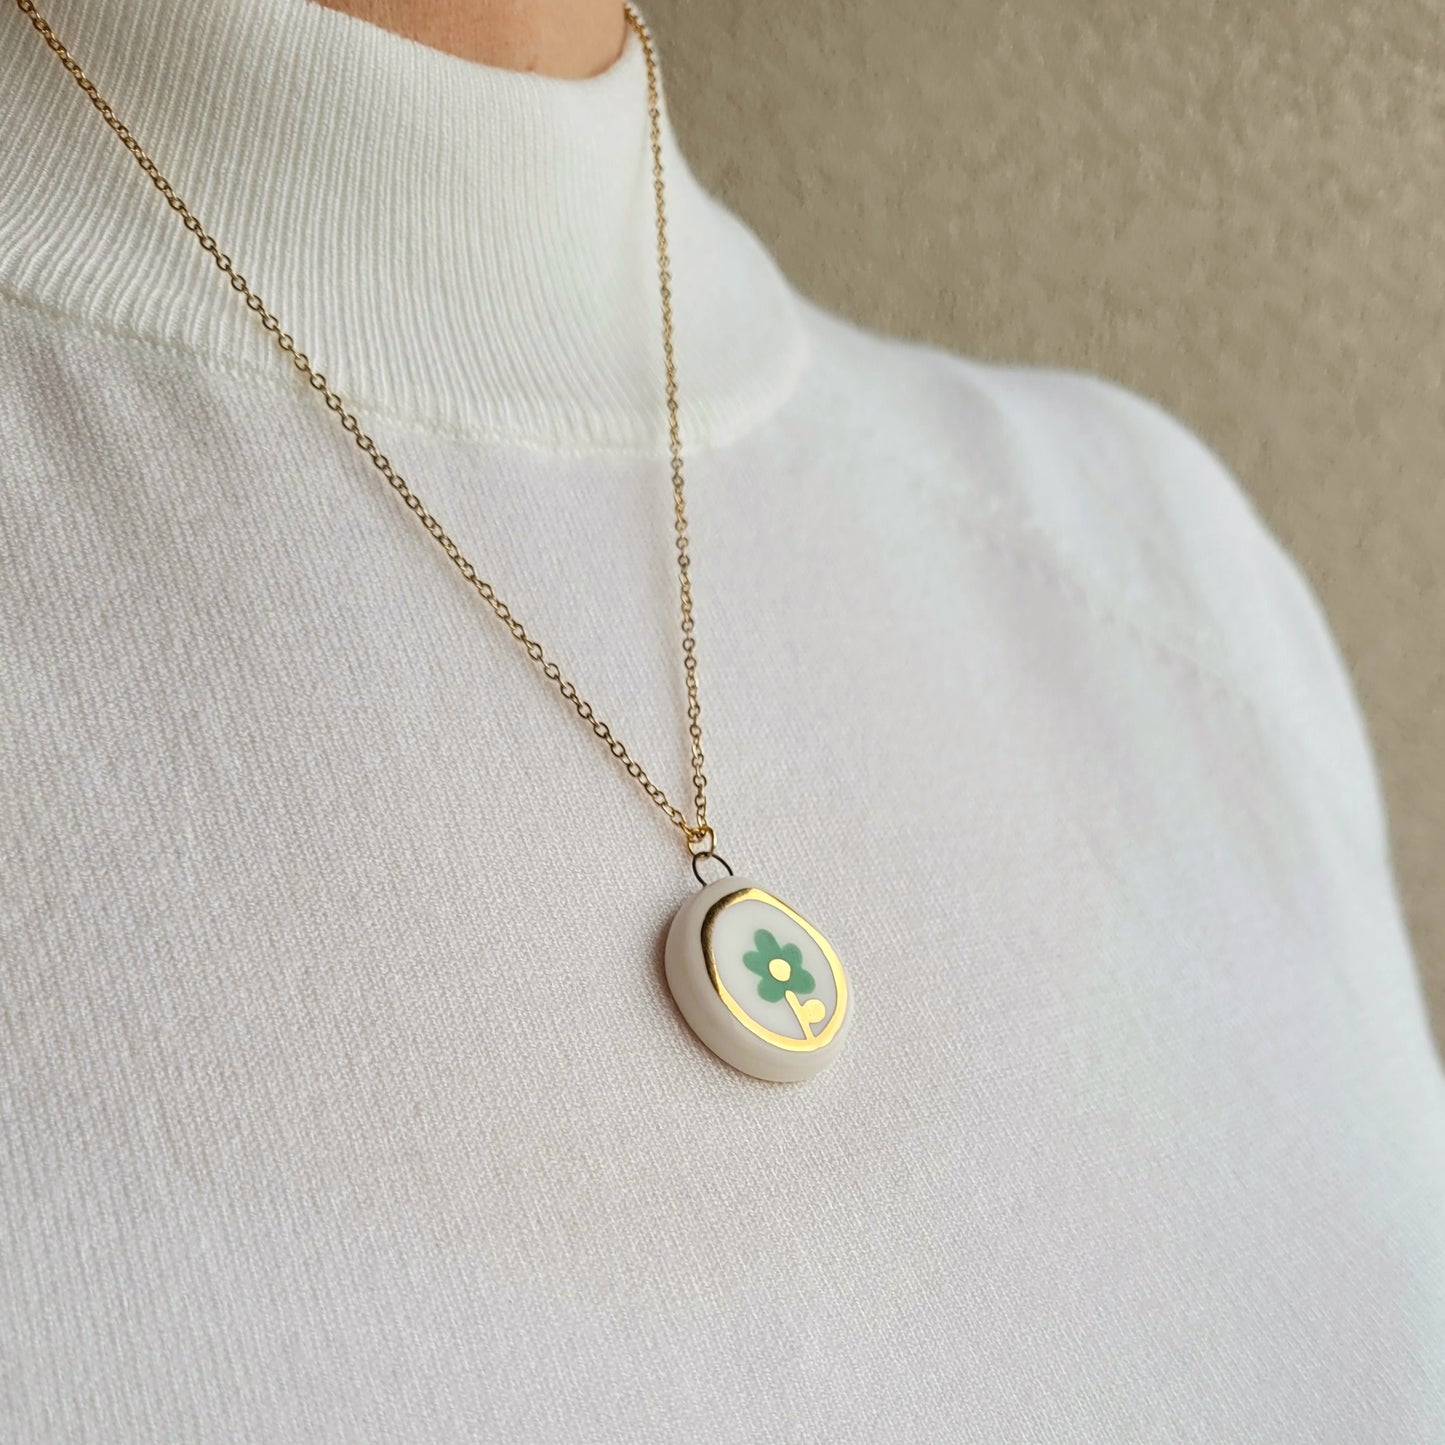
(756, 982)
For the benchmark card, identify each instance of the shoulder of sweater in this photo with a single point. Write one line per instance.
(1137, 513)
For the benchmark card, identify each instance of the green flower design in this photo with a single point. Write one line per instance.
(779, 967)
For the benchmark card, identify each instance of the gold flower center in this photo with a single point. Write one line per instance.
(781, 969)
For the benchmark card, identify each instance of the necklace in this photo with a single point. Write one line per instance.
(757, 983)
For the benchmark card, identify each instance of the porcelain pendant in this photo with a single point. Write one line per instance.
(756, 982)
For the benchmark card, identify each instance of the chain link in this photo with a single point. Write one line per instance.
(699, 833)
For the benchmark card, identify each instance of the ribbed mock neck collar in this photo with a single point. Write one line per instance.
(456, 245)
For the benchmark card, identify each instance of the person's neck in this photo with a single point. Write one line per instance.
(568, 39)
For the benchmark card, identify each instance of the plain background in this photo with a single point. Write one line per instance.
(1237, 209)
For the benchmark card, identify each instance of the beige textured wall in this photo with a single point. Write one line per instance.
(1238, 208)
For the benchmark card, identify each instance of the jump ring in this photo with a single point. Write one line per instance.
(708, 853)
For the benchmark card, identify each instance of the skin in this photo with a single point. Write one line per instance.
(570, 39)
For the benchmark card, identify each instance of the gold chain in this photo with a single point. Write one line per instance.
(699, 834)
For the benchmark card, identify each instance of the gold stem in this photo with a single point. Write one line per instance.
(792, 999)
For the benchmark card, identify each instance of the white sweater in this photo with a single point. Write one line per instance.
(342, 1096)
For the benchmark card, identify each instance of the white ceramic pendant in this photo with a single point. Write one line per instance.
(756, 982)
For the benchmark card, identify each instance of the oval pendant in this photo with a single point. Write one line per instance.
(756, 982)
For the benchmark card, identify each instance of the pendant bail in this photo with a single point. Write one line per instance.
(716, 857)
